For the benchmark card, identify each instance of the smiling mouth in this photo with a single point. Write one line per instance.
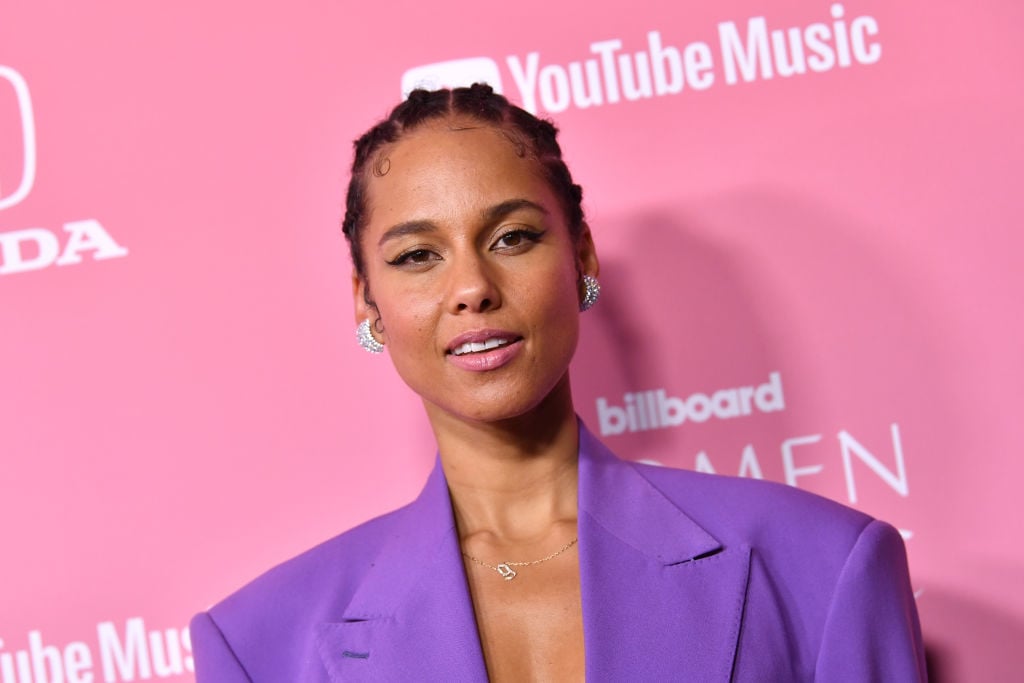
(477, 347)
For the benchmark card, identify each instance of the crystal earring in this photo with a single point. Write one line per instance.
(366, 340)
(591, 292)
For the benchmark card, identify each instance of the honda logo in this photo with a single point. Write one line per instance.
(28, 140)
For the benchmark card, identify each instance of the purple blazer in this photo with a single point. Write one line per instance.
(684, 577)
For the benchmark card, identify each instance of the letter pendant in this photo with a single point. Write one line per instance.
(506, 571)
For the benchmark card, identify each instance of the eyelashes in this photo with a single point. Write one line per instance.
(510, 242)
(413, 257)
(516, 238)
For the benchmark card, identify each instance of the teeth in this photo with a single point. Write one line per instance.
(477, 347)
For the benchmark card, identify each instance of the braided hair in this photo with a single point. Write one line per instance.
(531, 135)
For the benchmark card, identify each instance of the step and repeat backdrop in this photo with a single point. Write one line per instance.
(808, 215)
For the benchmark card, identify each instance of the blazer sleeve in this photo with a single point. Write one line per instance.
(215, 661)
(872, 632)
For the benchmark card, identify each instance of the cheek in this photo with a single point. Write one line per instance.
(567, 289)
(556, 307)
(409, 338)
(407, 318)
(405, 328)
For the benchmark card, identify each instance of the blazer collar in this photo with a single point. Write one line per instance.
(627, 506)
(661, 597)
(412, 614)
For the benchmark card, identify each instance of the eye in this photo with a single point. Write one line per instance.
(414, 257)
(517, 239)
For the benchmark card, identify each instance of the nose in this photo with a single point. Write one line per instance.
(472, 287)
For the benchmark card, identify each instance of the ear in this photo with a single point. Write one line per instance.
(586, 253)
(363, 310)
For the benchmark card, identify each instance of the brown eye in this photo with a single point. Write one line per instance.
(414, 257)
(418, 256)
(516, 239)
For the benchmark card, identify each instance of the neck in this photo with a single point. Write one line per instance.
(513, 480)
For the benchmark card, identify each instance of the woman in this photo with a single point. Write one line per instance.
(533, 553)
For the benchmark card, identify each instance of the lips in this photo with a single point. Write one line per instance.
(479, 341)
(484, 350)
(477, 347)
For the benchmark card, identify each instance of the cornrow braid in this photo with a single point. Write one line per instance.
(531, 135)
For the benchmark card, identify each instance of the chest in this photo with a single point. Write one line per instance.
(531, 627)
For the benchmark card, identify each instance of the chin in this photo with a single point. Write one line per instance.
(488, 414)
(505, 404)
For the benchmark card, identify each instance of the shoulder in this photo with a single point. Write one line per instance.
(826, 583)
(808, 553)
(334, 567)
(826, 592)
(270, 622)
(759, 513)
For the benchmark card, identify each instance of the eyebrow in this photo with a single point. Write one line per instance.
(499, 211)
(406, 228)
(490, 215)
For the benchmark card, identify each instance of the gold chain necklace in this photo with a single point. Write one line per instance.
(505, 568)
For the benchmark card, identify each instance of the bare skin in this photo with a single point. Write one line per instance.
(522, 509)
(466, 237)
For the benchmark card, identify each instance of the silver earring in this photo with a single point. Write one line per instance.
(366, 340)
(591, 292)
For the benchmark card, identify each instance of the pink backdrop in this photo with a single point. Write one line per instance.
(182, 403)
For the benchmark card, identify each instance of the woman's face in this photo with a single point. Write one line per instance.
(472, 270)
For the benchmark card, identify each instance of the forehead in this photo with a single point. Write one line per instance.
(452, 165)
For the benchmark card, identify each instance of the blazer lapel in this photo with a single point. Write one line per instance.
(412, 614)
(662, 599)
